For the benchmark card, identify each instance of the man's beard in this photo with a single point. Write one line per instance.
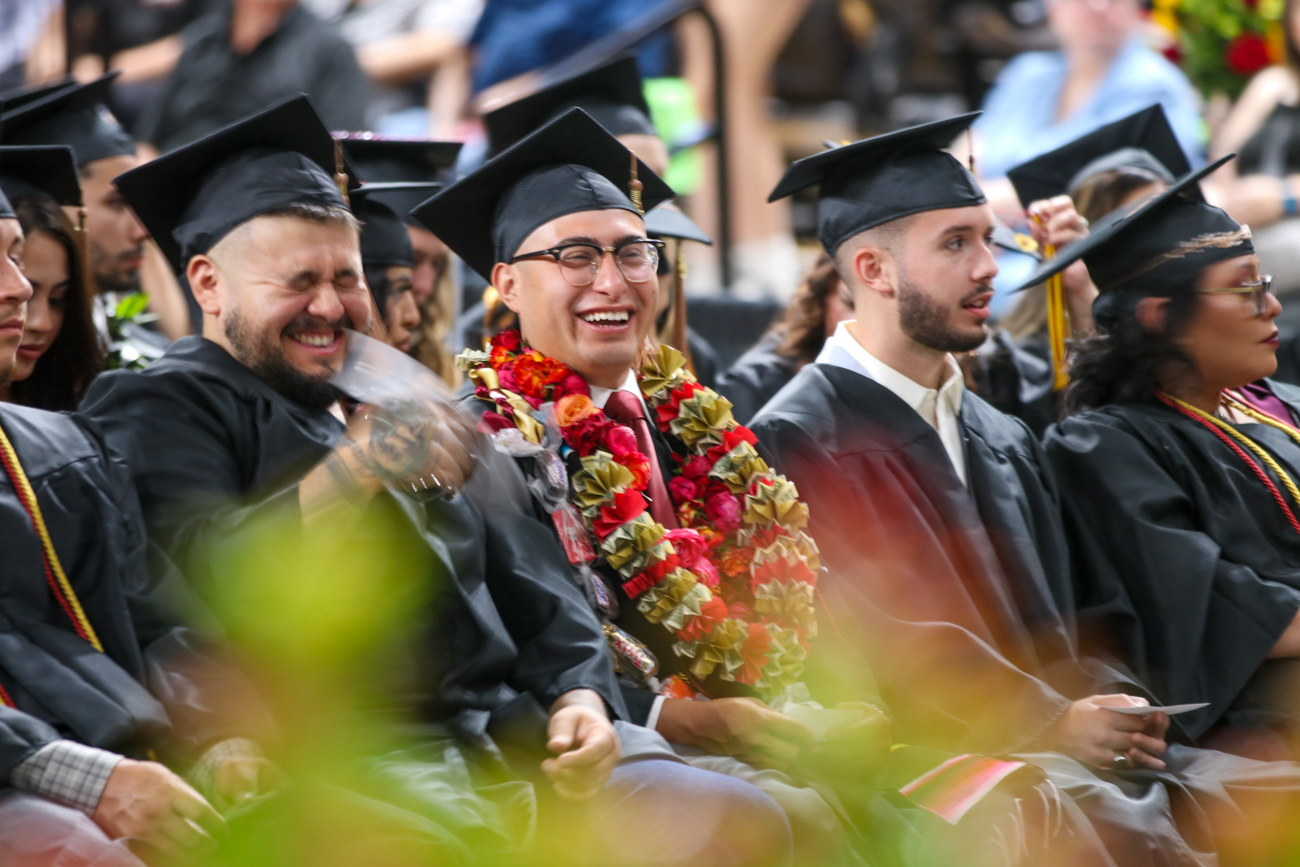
(110, 279)
(266, 360)
(925, 320)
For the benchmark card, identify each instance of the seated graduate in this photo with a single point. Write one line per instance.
(388, 260)
(556, 223)
(60, 353)
(1177, 465)
(940, 525)
(612, 94)
(237, 423)
(1116, 166)
(102, 691)
(815, 310)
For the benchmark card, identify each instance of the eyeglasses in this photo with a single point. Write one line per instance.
(637, 259)
(1259, 290)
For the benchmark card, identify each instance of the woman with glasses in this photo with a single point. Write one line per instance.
(1179, 467)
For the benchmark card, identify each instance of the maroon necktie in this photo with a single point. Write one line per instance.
(624, 408)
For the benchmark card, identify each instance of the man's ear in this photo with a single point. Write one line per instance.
(206, 282)
(507, 286)
(873, 269)
(1151, 314)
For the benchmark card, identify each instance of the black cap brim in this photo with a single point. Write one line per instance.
(1051, 173)
(1104, 232)
(49, 169)
(618, 81)
(668, 221)
(464, 214)
(403, 159)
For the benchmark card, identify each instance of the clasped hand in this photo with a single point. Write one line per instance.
(421, 447)
(1087, 731)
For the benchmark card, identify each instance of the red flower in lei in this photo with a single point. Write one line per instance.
(698, 580)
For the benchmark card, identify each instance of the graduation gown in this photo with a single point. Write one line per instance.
(211, 447)
(1187, 567)
(960, 599)
(755, 378)
(157, 685)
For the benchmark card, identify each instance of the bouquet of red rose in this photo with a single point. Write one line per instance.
(1220, 44)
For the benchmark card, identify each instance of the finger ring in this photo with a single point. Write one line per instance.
(1120, 763)
(1083, 223)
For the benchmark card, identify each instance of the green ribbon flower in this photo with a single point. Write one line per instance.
(664, 371)
(599, 479)
(702, 419)
(628, 549)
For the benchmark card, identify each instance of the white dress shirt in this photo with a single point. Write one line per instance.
(941, 407)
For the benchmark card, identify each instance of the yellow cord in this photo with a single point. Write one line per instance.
(39, 521)
(1263, 418)
(1058, 324)
(1248, 443)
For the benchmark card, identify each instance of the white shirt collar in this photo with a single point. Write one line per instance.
(912, 392)
(600, 396)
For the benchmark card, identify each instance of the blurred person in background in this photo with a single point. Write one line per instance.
(1116, 166)
(28, 30)
(795, 339)
(397, 161)
(237, 424)
(1173, 462)
(100, 676)
(667, 223)
(139, 39)
(122, 259)
(1102, 72)
(60, 353)
(941, 527)
(1261, 186)
(414, 53)
(244, 58)
(389, 261)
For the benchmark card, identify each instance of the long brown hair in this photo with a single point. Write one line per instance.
(802, 326)
(76, 356)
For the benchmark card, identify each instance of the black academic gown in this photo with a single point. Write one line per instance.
(157, 685)
(755, 378)
(1187, 567)
(211, 447)
(960, 598)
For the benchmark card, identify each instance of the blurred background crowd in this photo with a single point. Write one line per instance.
(788, 76)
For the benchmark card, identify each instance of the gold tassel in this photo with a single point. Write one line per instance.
(1058, 325)
(81, 220)
(679, 339)
(340, 173)
(634, 187)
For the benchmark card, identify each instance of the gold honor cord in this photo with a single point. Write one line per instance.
(1245, 440)
(59, 583)
(1246, 409)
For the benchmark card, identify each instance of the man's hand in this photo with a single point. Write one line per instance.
(857, 748)
(146, 801)
(1087, 731)
(585, 744)
(1055, 221)
(242, 778)
(423, 447)
(742, 728)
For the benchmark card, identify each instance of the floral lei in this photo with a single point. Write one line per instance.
(736, 583)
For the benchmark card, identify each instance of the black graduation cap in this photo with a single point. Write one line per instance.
(384, 240)
(1160, 246)
(74, 116)
(1143, 141)
(668, 221)
(569, 165)
(884, 178)
(193, 197)
(48, 169)
(20, 96)
(611, 93)
(391, 160)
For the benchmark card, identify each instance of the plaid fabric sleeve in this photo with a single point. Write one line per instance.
(67, 772)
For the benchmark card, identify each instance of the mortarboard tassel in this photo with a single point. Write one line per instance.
(634, 187)
(678, 339)
(1058, 324)
(81, 220)
(340, 173)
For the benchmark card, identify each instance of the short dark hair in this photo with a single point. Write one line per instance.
(316, 214)
(76, 356)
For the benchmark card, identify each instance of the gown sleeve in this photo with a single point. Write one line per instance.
(1154, 583)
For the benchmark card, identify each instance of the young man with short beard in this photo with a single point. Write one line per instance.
(941, 528)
